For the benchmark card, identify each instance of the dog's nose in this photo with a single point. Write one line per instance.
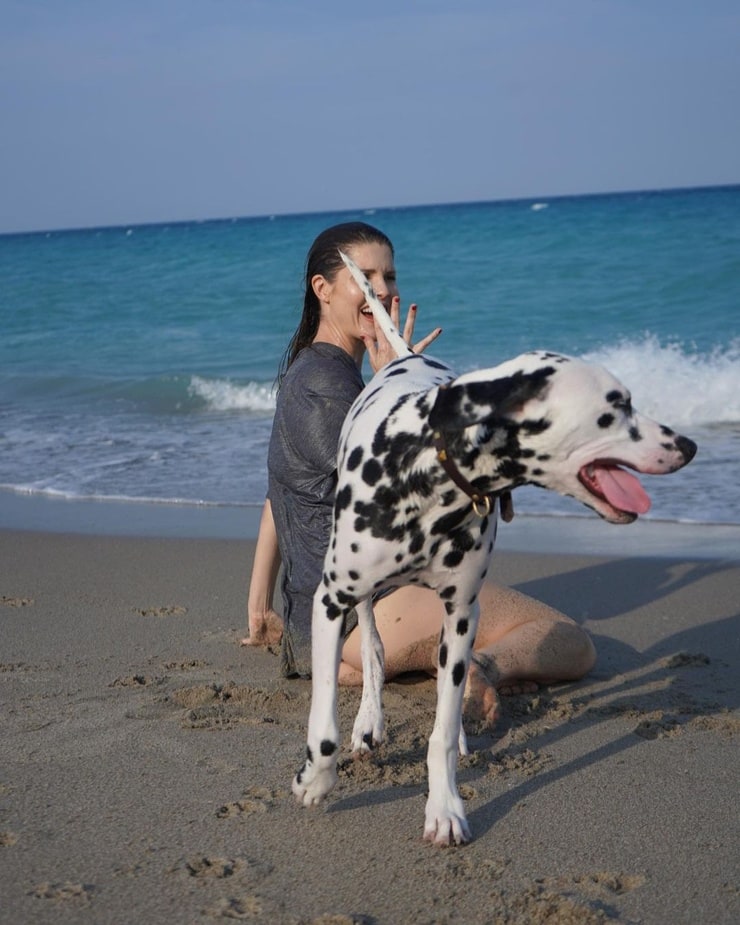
(687, 448)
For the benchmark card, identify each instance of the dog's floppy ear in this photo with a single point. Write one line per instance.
(469, 403)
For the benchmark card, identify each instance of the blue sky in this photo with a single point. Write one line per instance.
(127, 112)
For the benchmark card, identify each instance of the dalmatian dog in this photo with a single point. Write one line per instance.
(424, 456)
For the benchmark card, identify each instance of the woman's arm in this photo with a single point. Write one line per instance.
(265, 626)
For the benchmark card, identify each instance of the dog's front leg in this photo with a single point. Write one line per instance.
(368, 729)
(445, 820)
(319, 772)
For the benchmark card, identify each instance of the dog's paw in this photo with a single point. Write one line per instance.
(368, 731)
(446, 825)
(311, 784)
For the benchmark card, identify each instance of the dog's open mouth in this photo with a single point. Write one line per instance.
(619, 488)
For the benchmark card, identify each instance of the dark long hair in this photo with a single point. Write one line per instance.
(323, 260)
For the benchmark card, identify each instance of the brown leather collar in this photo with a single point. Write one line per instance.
(482, 504)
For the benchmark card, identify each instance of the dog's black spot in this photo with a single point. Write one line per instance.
(355, 458)
(511, 470)
(606, 420)
(343, 499)
(435, 364)
(443, 655)
(399, 556)
(344, 598)
(614, 396)
(401, 371)
(462, 627)
(309, 755)
(448, 592)
(332, 611)
(372, 471)
(327, 748)
(635, 434)
(535, 427)
(472, 600)
(354, 547)
(666, 431)
(447, 523)
(453, 558)
(449, 608)
(458, 673)
(368, 739)
(354, 575)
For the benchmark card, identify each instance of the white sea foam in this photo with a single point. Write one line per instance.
(222, 395)
(675, 384)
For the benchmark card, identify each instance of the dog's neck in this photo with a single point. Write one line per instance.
(486, 490)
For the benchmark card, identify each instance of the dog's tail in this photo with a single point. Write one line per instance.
(382, 318)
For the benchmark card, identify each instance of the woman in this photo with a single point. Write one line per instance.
(519, 640)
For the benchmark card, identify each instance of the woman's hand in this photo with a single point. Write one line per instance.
(265, 629)
(380, 352)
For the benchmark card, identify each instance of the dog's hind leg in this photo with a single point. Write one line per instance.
(368, 729)
(445, 820)
(319, 772)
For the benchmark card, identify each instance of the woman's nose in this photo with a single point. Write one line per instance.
(380, 287)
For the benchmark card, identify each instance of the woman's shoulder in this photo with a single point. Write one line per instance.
(321, 367)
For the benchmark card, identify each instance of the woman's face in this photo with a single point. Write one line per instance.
(343, 305)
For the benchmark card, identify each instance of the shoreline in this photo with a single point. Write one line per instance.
(541, 534)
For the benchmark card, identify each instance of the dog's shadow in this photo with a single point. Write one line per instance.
(683, 677)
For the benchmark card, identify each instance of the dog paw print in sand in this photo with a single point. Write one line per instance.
(687, 660)
(172, 611)
(15, 601)
(254, 800)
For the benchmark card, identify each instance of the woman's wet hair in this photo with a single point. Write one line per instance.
(323, 260)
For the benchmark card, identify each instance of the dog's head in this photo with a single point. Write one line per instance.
(563, 424)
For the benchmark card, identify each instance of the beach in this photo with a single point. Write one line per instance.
(146, 759)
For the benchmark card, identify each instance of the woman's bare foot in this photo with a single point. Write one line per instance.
(266, 630)
(481, 704)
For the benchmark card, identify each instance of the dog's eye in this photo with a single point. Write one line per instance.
(624, 404)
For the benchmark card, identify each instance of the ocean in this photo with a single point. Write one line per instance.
(138, 363)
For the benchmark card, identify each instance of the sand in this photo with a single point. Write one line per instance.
(145, 759)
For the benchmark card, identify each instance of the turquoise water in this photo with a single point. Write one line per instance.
(139, 362)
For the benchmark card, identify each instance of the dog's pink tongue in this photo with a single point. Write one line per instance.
(621, 489)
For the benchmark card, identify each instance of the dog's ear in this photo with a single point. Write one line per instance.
(469, 403)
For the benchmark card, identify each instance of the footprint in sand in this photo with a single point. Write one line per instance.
(16, 601)
(173, 611)
(255, 800)
(63, 892)
(8, 839)
(687, 660)
(236, 907)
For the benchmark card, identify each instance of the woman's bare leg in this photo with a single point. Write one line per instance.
(519, 639)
